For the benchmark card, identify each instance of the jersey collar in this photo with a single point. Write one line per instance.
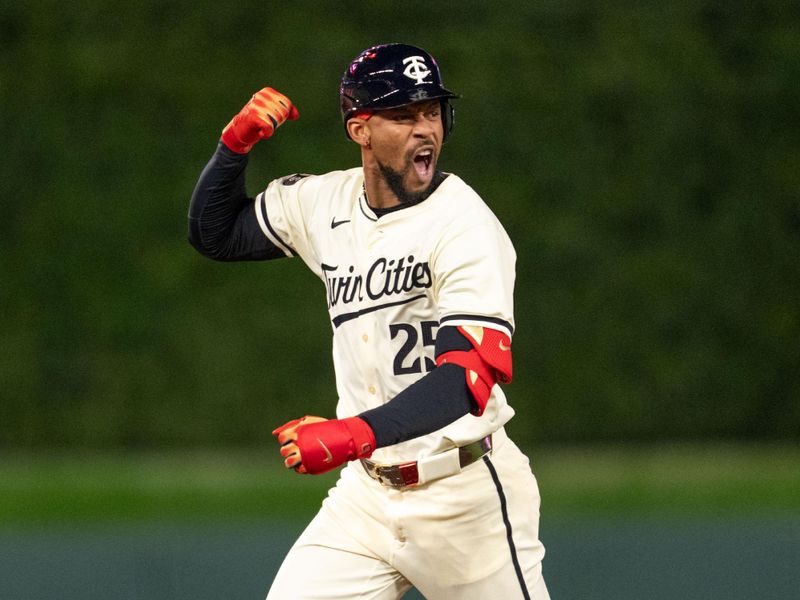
(374, 214)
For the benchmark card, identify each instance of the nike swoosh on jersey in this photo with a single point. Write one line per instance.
(504, 348)
(335, 223)
(328, 456)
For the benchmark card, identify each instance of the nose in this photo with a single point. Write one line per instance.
(423, 126)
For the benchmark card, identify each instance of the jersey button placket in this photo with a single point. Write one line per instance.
(368, 353)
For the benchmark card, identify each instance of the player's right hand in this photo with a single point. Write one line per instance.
(315, 445)
(267, 110)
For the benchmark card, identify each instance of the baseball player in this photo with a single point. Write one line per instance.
(419, 278)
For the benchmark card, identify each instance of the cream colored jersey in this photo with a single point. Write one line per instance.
(391, 282)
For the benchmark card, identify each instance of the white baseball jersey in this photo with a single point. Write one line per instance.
(391, 282)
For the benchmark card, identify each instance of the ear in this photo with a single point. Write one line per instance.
(359, 131)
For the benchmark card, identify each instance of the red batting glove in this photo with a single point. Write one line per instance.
(261, 116)
(313, 445)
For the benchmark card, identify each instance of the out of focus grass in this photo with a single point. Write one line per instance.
(217, 485)
(677, 479)
(165, 485)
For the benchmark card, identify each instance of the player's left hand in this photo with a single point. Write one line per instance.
(314, 445)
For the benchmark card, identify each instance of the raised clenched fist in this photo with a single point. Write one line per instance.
(258, 120)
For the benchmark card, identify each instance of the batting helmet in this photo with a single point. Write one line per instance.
(390, 76)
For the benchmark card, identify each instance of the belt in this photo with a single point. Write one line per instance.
(430, 468)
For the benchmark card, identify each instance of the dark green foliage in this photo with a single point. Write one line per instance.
(645, 159)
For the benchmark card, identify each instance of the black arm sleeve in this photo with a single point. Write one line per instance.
(222, 219)
(436, 400)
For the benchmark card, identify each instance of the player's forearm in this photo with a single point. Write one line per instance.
(436, 400)
(317, 445)
(469, 363)
(433, 402)
(218, 197)
(222, 224)
(222, 220)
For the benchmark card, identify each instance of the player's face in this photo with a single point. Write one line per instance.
(406, 143)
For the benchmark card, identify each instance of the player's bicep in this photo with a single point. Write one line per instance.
(226, 235)
(248, 242)
(222, 223)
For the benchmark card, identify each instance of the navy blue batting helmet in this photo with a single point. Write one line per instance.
(390, 76)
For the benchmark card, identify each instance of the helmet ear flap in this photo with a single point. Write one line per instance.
(448, 118)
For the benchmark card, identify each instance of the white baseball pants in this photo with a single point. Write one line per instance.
(470, 536)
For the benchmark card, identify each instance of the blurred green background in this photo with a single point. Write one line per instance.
(644, 158)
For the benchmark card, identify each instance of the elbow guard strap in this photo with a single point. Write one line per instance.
(488, 362)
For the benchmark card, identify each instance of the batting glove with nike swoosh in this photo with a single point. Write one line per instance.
(267, 110)
(314, 445)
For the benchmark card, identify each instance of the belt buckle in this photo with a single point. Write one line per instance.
(398, 476)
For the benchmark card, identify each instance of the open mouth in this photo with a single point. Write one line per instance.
(423, 161)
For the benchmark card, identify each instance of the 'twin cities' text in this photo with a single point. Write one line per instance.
(384, 278)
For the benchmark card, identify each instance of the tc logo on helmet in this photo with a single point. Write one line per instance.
(416, 69)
